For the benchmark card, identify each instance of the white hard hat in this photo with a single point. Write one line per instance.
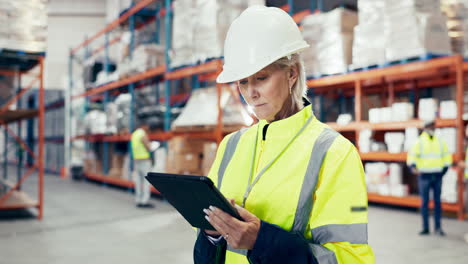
(258, 37)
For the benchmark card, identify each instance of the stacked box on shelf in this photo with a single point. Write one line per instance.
(457, 25)
(200, 27)
(414, 28)
(330, 38)
(24, 25)
(369, 38)
(185, 156)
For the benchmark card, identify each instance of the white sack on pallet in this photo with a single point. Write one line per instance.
(207, 42)
(330, 38)
(411, 136)
(448, 109)
(449, 187)
(394, 141)
(449, 136)
(369, 40)
(201, 110)
(411, 34)
(427, 110)
(147, 56)
(402, 112)
(95, 122)
(182, 33)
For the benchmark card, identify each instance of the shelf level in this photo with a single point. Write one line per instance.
(408, 201)
(114, 181)
(17, 115)
(211, 66)
(355, 126)
(153, 72)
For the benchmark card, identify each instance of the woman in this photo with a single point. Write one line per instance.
(298, 185)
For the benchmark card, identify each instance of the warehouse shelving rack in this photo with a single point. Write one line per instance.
(199, 72)
(22, 64)
(410, 77)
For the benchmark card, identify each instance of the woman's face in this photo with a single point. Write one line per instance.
(266, 91)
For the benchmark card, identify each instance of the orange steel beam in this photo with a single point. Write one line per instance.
(21, 142)
(210, 66)
(358, 101)
(40, 161)
(19, 183)
(7, 73)
(135, 78)
(14, 99)
(101, 48)
(140, 5)
(389, 72)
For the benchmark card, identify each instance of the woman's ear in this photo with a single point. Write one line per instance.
(293, 75)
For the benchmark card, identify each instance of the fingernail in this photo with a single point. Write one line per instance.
(207, 218)
(206, 211)
(212, 208)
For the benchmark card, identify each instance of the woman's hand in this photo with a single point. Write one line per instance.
(238, 234)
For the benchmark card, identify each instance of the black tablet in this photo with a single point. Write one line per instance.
(190, 195)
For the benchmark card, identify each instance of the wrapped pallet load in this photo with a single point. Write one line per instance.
(457, 24)
(24, 25)
(369, 40)
(415, 28)
(330, 36)
(200, 111)
(200, 27)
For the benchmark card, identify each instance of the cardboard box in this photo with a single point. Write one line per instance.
(209, 155)
(180, 163)
(184, 145)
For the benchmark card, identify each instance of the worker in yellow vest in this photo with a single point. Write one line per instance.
(464, 166)
(429, 159)
(298, 185)
(141, 151)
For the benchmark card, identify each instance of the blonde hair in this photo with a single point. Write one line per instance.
(299, 88)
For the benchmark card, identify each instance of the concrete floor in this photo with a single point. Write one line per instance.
(90, 223)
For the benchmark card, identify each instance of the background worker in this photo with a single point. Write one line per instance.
(429, 159)
(142, 162)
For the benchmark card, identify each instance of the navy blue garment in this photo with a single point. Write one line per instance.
(428, 181)
(274, 245)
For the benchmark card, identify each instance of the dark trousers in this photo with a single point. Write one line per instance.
(426, 183)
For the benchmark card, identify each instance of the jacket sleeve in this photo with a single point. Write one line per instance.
(275, 245)
(206, 252)
(337, 228)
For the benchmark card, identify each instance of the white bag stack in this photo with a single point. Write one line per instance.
(182, 30)
(377, 177)
(23, 25)
(95, 122)
(369, 40)
(449, 136)
(411, 136)
(147, 56)
(427, 109)
(199, 110)
(330, 36)
(394, 141)
(448, 109)
(449, 186)
(414, 28)
(365, 140)
(402, 112)
(395, 176)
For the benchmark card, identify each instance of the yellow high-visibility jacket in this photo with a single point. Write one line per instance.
(139, 150)
(312, 182)
(429, 155)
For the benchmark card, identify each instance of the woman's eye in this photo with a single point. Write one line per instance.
(262, 78)
(242, 82)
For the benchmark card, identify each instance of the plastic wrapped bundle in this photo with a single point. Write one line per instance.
(330, 38)
(207, 43)
(24, 25)
(199, 110)
(123, 103)
(411, 34)
(95, 122)
(369, 40)
(147, 56)
(182, 38)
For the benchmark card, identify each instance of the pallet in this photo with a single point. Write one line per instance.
(423, 57)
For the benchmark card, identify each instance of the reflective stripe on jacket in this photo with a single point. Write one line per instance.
(429, 155)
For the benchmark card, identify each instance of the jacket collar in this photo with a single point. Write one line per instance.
(288, 127)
